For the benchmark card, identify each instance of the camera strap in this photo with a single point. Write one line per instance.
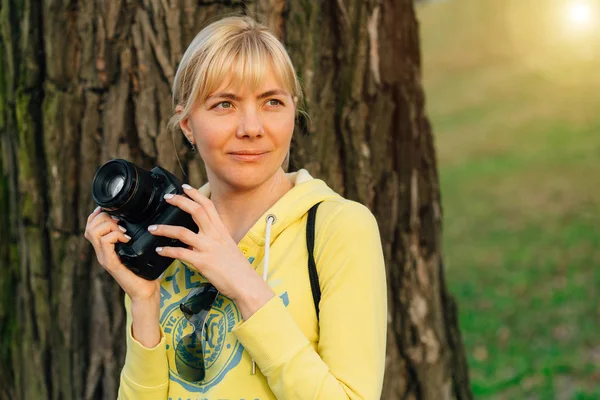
(312, 266)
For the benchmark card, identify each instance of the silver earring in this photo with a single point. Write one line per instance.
(193, 147)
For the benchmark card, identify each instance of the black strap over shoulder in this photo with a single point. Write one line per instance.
(312, 266)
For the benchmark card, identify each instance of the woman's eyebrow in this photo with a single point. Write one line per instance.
(273, 92)
(232, 96)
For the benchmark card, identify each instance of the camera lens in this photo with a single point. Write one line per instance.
(122, 188)
(115, 185)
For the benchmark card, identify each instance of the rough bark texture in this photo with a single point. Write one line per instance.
(82, 82)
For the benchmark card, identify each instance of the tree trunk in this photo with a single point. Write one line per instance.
(82, 82)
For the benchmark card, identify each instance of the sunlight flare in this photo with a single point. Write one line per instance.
(580, 13)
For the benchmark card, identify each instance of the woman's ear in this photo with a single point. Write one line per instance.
(184, 124)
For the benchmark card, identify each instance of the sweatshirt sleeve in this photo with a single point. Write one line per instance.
(350, 360)
(145, 374)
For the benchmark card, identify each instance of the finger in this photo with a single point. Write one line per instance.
(177, 232)
(101, 221)
(106, 227)
(96, 211)
(114, 237)
(205, 202)
(100, 218)
(112, 262)
(182, 254)
(196, 210)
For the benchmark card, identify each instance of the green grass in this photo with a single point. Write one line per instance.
(519, 150)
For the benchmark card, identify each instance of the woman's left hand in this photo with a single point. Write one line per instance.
(212, 251)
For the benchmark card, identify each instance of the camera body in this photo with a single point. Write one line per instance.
(136, 197)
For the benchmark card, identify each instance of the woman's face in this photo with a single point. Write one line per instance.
(243, 136)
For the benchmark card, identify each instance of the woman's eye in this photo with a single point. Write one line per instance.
(224, 104)
(274, 102)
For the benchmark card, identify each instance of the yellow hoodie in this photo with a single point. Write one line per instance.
(298, 357)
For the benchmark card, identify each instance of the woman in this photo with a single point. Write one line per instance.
(235, 96)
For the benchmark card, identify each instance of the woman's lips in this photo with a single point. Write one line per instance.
(247, 156)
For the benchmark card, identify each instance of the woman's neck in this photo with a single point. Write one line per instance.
(239, 210)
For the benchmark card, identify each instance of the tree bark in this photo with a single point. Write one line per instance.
(82, 82)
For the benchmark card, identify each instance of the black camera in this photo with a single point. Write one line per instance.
(136, 197)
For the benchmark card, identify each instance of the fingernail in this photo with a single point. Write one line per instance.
(115, 218)
(159, 249)
(152, 227)
(97, 208)
(122, 228)
(168, 196)
(128, 237)
(186, 186)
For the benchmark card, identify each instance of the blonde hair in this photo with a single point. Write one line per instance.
(235, 48)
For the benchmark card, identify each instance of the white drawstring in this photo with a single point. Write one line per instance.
(270, 221)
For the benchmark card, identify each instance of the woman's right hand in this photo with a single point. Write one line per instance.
(103, 232)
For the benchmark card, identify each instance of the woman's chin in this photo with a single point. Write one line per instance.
(244, 179)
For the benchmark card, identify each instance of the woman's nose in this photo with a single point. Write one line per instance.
(250, 125)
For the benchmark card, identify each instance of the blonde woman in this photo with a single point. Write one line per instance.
(257, 331)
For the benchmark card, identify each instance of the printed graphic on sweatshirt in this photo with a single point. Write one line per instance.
(222, 352)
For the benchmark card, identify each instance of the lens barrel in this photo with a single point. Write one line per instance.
(122, 188)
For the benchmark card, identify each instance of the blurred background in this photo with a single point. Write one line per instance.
(513, 94)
